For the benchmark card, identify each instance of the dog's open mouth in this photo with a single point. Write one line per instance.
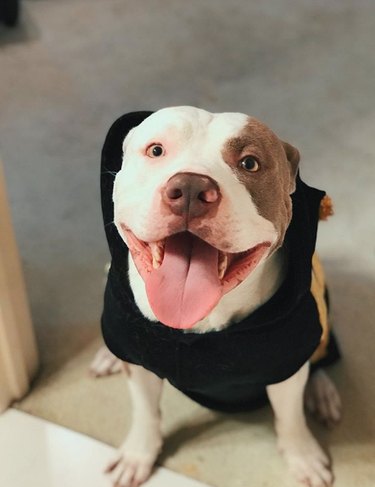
(185, 276)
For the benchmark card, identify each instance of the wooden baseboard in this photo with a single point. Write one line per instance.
(18, 351)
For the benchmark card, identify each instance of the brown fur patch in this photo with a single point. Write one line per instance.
(270, 187)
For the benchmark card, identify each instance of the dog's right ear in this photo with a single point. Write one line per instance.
(293, 156)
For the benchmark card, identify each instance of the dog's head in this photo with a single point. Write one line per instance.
(201, 200)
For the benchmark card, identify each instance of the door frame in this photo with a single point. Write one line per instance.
(18, 350)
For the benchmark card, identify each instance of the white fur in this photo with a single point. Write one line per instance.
(138, 453)
(193, 140)
(305, 458)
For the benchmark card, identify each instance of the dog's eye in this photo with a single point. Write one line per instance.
(249, 164)
(155, 150)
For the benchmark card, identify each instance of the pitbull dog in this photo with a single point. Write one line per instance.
(209, 207)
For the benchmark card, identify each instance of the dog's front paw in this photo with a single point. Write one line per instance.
(105, 363)
(306, 460)
(135, 460)
(130, 469)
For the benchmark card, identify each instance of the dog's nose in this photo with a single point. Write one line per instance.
(192, 195)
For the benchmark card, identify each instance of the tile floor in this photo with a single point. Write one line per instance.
(37, 453)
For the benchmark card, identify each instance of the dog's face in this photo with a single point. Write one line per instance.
(201, 200)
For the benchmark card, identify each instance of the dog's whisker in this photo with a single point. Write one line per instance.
(107, 171)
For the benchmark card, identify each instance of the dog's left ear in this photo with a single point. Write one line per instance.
(292, 154)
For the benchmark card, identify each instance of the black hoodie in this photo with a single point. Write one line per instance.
(225, 370)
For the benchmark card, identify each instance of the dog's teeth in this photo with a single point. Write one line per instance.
(155, 263)
(223, 264)
(157, 251)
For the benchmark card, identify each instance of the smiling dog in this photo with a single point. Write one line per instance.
(221, 292)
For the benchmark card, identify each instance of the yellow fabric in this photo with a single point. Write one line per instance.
(318, 292)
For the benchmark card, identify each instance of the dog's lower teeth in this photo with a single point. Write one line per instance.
(222, 265)
(157, 251)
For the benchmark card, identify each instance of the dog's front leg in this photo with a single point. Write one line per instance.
(138, 453)
(307, 461)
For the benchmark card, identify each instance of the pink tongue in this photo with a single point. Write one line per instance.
(185, 288)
